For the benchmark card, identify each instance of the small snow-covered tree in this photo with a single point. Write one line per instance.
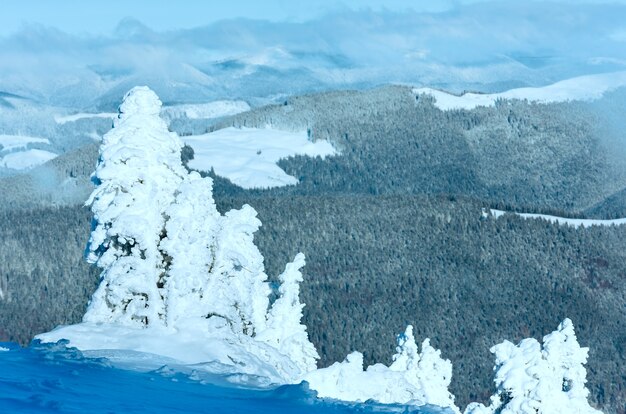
(138, 171)
(285, 330)
(427, 371)
(532, 379)
(413, 377)
(242, 288)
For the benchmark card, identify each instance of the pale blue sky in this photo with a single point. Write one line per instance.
(101, 17)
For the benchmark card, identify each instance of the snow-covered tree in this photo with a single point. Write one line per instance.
(285, 330)
(427, 371)
(532, 379)
(216, 273)
(192, 229)
(171, 262)
(138, 172)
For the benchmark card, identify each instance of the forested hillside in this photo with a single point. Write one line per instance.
(392, 230)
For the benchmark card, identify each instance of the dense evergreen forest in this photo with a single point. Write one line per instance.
(392, 230)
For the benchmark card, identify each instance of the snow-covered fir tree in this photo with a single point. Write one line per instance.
(138, 172)
(540, 380)
(216, 273)
(427, 371)
(285, 330)
(192, 228)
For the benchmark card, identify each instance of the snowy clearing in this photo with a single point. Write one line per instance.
(582, 88)
(248, 156)
(209, 110)
(83, 115)
(215, 109)
(24, 160)
(563, 220)
(11, 142)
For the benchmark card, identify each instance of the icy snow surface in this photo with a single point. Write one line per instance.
(53, 378)
(24, 160)
(582, 88)
(248, 156)
(564, 220)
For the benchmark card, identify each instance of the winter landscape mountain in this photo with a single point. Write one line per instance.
(408, 210)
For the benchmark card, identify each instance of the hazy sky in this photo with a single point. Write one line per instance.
(80, 16)
(101, 17)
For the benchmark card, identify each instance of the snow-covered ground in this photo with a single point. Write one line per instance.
(83, 115)
(185, 346)
(53, 378)
(248, 156)
(13, 142)
(210, 110)
(564, 220)
(24, 160)
(582, 88)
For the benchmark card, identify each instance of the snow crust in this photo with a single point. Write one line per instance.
(564, 220)
(248, 156)
(24, 160)
(413, 377)
(582, 88)
(548, 379)
(13, 142)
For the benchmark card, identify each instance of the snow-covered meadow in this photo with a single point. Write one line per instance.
(248, 156)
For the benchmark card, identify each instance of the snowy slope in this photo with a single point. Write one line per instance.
(209, 110)
(83, 115)
(248, 156)
(25, 160)
(582, 88)
(13, 142)
(564, 220)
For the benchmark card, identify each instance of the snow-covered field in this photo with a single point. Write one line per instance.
(564, 220)
(209, 110)
(248, 156)
(13, 142)
(83, 115)
(582, 88)
(24, 160)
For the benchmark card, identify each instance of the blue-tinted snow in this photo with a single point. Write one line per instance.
(54, 378)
